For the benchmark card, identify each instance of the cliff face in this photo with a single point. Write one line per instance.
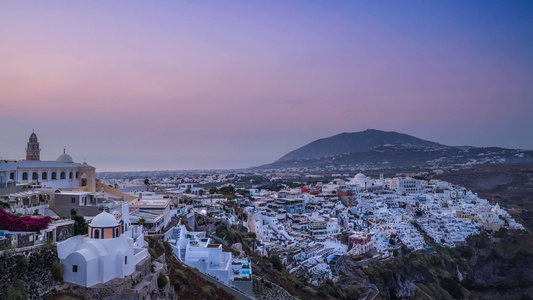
(477, 270)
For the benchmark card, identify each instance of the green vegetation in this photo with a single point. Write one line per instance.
(80, 226)
(232, 236)
(162, 280)
(58, 270)
(452, 287)
(276, 262)
(208, 292)
(15, 291)
(331, 289)
(227, 190)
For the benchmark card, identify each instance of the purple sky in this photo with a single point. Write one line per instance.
(137, 85)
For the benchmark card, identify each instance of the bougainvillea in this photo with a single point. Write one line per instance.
(11, 222)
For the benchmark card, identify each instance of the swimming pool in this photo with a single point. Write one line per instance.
(245, 272)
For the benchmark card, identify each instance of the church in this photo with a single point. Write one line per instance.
(112, 249)
(60, 173)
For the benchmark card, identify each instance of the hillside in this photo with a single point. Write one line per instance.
(355, 142)
(380, 150)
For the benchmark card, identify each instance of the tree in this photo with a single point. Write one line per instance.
(80, 226)
(201, 192)
(188, 191)
(146, 181)
(141, 221)
(276, 262)
(227, 190)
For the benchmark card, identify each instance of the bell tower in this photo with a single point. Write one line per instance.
(33, 152)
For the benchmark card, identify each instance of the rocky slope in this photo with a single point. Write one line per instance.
(500, 269)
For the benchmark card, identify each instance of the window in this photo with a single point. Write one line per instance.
(45, 176)
(12, 176)
(63, 176)
(116, 232)
(125, 260)
(54, 175)
(24, 176)
(97, 234)
(34, 176)
(69, 175)
(75, 268)
(72, 200)
(77, 175)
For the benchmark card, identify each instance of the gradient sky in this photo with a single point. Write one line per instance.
(139, 85)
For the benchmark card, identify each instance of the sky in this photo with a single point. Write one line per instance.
(166, 85)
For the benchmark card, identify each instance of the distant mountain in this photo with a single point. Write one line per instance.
(376, 149)
(345, 143)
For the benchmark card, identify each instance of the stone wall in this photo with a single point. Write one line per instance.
(33, 266)
(142, 284)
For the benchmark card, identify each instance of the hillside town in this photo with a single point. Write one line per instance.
(308, 225)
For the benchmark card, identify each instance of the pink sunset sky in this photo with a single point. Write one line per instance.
(142, 85)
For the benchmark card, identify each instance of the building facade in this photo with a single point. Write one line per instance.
(60, 173)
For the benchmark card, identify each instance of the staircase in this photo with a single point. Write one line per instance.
(333, 264)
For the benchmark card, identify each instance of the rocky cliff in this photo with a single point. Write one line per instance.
(485, 268)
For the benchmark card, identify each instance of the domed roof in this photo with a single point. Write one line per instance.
(65, 157)
(104, 219)
(360, 176)
(359, 179)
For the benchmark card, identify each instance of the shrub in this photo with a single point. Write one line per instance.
(58, 270)
(177, 287)
(162, 280)
(309, 290)
(168, 247)
(276, 262)
(353, 292)
(152, 253)
(180, 274)
(208, 292)
(452, 287)
(24, 261)
(14, 292)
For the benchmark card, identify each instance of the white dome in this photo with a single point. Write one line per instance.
(104, 219)
(359, 180)
(65, 158)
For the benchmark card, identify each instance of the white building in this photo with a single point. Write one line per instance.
(107, 252)
(198, 251)
(60, 173)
